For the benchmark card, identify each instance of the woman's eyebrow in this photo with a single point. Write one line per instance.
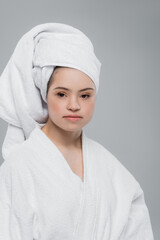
(84, 89)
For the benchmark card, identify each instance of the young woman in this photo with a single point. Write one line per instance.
(71, 98)
(57, 183)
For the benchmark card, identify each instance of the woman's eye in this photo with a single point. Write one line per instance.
(85, 96)
(61, 95)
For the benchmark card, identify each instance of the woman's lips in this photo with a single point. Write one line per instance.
(73, 118)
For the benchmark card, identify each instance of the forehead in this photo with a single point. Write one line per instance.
(71, 76)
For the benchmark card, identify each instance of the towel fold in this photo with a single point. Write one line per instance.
(23, 83)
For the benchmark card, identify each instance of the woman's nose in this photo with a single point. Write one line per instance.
(73, 104)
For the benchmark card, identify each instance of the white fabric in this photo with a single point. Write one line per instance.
(23, 83)
(42, 198)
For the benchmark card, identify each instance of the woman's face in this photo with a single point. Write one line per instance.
(71, 92)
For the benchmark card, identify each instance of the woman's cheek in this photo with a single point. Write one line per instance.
(56, 107)
(88, 109)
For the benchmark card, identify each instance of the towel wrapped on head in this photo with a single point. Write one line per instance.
(23, 83)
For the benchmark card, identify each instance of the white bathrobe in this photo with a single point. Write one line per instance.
(41, 198)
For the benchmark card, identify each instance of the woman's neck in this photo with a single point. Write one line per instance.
(66, 139)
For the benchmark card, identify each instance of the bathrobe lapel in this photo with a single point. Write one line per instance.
(85, 190)
(60, 160)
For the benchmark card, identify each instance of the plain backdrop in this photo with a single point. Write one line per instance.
(126, 39)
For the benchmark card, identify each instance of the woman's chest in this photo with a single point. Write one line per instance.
(57, 207)
(66, 206)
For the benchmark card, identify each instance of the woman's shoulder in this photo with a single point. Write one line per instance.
(16, 158)
(108, 163)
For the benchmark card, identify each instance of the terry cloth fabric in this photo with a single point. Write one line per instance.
(42, 198)
(23, 83)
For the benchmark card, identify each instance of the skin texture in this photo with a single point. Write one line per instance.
(62, 102)
(66, 134)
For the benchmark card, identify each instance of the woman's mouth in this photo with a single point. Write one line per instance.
(73, 118)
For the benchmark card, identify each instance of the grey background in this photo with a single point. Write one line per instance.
(126, 38)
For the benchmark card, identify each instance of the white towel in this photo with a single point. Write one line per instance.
(23, 83)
